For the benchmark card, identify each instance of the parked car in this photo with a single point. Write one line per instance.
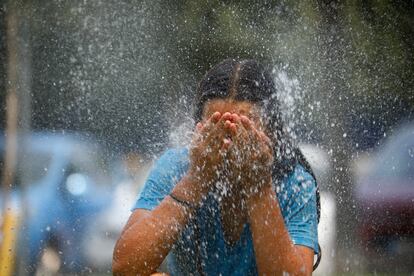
(61, 183)
(130, 173)
(385, 195)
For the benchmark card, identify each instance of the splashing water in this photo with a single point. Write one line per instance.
(291, 95)
(289, 92)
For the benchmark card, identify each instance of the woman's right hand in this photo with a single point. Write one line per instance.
(208, 149)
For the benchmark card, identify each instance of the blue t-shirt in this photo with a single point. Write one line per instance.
(297, 199)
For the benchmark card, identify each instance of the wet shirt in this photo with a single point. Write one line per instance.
(297, 200)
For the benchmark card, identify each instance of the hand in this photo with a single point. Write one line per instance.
(208, 150)
(250, 156)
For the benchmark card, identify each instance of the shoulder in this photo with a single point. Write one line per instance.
(298, 202)
(301, 179)
(169, 168)
(174, 155)
(172, 158)
(297, 188)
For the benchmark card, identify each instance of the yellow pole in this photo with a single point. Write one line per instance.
(10, 217)
(8, 244)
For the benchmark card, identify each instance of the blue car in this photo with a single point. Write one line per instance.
(62, 182)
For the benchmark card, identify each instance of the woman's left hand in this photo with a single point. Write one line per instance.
(251, 155)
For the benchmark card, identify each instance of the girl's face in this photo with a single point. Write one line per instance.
(245, 108)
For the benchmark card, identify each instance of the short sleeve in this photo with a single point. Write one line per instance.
(297, 198)
(165, 174)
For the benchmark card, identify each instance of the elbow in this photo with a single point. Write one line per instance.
(301, 271)
(123, 268)
(120, 263)
(126, 269)
(277, 270)
(123, 264)
(118, 267)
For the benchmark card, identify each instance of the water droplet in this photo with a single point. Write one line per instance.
(411, 152)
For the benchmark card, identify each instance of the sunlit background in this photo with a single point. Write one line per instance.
(92, 92)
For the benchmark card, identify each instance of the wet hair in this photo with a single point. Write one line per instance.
(247, 80)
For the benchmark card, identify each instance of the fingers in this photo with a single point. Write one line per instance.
(215, 117)
(223, 131)
(247, 124)
(227, 116)
(217, 138)
(232, 123)
(212, 135)
(235, 124)
(197, 137)
(210, 123)
(265, 139)
(254, 143)
(258, 134)
(226, 124)
(199, 126)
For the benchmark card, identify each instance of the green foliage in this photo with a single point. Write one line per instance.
(127, 56)
(381, 49)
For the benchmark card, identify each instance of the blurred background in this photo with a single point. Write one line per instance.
(91, 92)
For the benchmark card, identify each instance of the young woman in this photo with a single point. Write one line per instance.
(240, 200)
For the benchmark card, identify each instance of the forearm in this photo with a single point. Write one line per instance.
(143, 246)
(274, 250)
